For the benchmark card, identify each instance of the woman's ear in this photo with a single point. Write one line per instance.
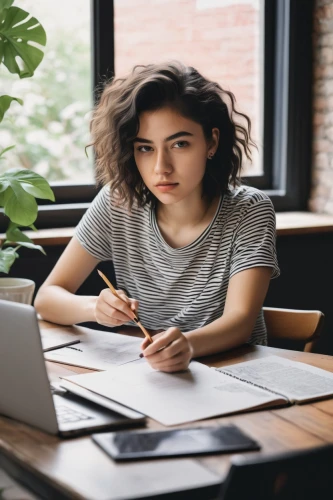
(214, 142)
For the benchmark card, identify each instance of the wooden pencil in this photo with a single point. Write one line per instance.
(114, 291)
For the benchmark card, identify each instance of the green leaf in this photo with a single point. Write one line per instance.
(17, 31)
(7, 259)
(5, 102)
(31, 182)
(5, 4)
(32, 245)
(20, 206)
(5, 150)
(4, 184)
(14, 234)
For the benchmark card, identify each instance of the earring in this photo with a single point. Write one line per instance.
(210, 156)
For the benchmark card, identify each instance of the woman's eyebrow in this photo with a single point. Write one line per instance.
(170, 138)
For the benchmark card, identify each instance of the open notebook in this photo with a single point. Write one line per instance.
(202, 392)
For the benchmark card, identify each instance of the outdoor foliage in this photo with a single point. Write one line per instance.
(19, 187)
(51, 130)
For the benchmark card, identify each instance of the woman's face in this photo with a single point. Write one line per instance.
(170, 152)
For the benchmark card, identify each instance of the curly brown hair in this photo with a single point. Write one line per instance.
(115, 124)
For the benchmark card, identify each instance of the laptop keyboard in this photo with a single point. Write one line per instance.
(65, 414)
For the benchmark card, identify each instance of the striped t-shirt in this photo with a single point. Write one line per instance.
(184, 287)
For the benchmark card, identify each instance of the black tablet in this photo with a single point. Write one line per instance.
(128, 445)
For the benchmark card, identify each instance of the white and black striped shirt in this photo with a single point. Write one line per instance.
(184, 287)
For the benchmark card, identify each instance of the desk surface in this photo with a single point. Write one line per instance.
(78, 469)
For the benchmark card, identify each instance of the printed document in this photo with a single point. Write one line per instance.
(98, 350)
(296, 381)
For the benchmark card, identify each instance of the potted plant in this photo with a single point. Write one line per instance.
(19, 188)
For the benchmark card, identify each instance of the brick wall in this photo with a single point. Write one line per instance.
(321, 199)
(220, 38)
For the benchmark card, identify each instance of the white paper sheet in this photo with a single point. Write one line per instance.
(98, 350)
(174, 398)
(54, 338)
(297, 381)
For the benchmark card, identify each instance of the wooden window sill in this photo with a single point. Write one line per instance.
(291, 223)
(288, 223)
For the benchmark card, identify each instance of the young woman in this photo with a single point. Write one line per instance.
(193, 250)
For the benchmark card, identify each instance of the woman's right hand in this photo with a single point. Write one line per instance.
(112, 311)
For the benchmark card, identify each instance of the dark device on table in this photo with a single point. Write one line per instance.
(176, 442)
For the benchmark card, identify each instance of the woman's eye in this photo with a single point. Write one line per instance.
(180, 144)
(144, 149)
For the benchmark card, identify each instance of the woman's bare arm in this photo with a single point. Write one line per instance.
(56, 300)
(246, 293)
(172, 350)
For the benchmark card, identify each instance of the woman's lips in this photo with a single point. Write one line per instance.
(166, 187)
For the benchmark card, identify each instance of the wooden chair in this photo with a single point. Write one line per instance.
(296, 475)
(301, 326)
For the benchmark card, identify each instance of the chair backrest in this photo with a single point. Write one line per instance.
(293, 324)
(297, 475)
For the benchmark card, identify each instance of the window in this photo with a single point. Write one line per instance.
(220, 38)
(260, 50)
(288, 103)
(51, 129)
(278, 91)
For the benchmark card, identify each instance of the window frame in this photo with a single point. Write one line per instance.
(287, 122)
(288, 98)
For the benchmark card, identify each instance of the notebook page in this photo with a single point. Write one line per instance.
(175, 398)
(297, 381)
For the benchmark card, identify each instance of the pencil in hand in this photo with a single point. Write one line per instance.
(135, 317)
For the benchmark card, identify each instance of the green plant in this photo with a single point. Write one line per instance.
(19, 188)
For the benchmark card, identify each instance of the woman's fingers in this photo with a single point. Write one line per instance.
(112, 316)
(176, 363)
(112, 306)
(162, 340)
(144, 344)
(154, 334)
(122, 304)
(108, 323)
(132, 303)
(169, 352)
(112, 310)
(174, 360)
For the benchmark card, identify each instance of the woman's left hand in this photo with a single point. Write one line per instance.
(170, 351)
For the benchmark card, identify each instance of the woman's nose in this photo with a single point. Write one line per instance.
(162, 164)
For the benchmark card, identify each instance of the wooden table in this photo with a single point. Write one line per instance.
(77, 469)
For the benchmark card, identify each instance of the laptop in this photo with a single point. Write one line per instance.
(25, 392)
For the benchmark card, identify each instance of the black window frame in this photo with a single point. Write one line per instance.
(287, 109)
(288, 103)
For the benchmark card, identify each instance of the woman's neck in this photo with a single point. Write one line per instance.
(185, 213)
